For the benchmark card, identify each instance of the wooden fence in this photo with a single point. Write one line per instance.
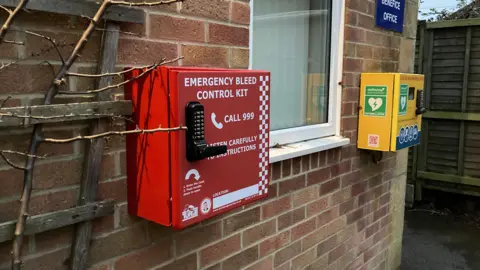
(448, 159)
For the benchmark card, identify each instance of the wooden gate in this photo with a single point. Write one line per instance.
(448, 159)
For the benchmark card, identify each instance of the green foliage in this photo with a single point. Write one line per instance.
(465, 9)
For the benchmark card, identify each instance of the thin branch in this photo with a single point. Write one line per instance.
(9, 162)
(49, 39)
(36, 138)
(9, 11)
(126, 3)
(14, 42)
(120, 73)
(93, 91)
(42, 117)
(5, 101)
(21, 154)
(121, 32)
(11, 17)
(5, 65)
(111, 133)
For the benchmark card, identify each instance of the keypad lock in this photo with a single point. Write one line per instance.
(197, 147)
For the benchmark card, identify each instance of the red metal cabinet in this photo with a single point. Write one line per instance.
(163, 186)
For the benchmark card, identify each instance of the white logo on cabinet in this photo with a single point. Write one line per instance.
(375, 103)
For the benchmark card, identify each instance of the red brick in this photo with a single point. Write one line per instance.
(25, 79)
(314, 160)
(359, 188)
(114, 190)
(305, 163)
(205, 56)
(322, 233)
(186, 263)
(219, 250)
(349, 49)
(372, 229)
(60, 174)
(351, 18)
(305, 196)
(146, 258)
(319, 263)
(297, 165)
(354, 216)
(364, 51)
(167, 27)
(287, 253)
(347, 109)
(241, 220)
(103, 224)
(355, 265)
(347, 206)
(317, 206)
(121, 242)
(354, 34)
(372, 252)
(197, 237)
(6, 249)
(53, 260)
(303, 229)
(240, 13)
(349, 123)
(365, 21)
(351, 64)
(336, 253)
(333, 156)
(287, 186)
(276, 207)
(351, 94)
(304, 259)
(228, 35)
(357, 5)
(330, 186)
(327, 216)
(240, 58)
(290, 218)
(216, 9)
(242, 259)
(318, 176)
(125, 218)
(352, 79)
(144, 52)
(44, 50)
(286, 167)
(341, 195)
(10, 50)
(100, 267)
(385, 221)
(54, 239)
(265, 264)
(350, 179)
(274, 243)
(341, 168)
(327, 245)
(381, 212)
(276, 170)
(259, 232)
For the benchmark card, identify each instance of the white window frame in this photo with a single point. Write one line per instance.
(330, 131)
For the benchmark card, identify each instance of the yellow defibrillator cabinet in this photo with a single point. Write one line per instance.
(390, 111)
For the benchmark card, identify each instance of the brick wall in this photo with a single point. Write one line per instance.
(329, 210)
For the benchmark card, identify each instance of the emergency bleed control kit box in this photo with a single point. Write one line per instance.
(390, 111)
(214, 159)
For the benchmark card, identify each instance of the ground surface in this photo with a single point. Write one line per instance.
(440, 240)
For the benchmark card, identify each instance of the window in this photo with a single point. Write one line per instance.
(299, 42)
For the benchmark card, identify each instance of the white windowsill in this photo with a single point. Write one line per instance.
(307, 147)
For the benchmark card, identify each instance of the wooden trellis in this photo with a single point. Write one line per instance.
(97, 112)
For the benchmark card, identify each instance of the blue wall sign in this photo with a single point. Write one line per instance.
(390, 14)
